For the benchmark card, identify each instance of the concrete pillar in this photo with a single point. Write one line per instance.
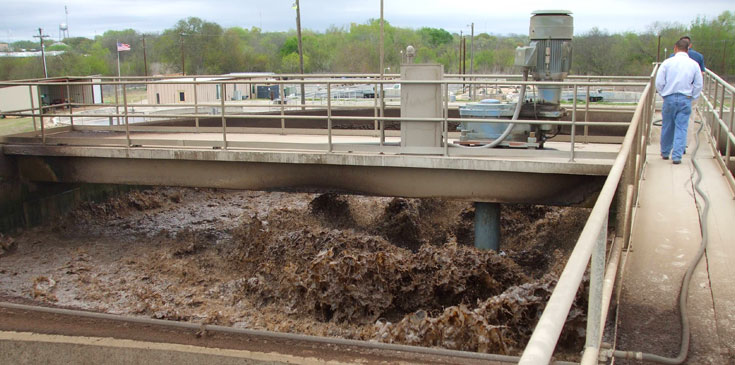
(421, 101)
(487, 226)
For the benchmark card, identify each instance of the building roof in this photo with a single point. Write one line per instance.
(229, 76)
(250, 74)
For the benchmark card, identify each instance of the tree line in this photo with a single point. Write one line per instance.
(203, 47)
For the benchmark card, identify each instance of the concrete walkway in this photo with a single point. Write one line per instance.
(665, 237)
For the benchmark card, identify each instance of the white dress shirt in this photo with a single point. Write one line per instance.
(679, 74)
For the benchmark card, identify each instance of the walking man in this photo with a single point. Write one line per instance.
(694, 54)
(679, 81)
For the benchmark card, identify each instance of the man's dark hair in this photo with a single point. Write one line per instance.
(682, 44)
(687, 38)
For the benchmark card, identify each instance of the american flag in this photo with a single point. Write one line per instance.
(122, 47)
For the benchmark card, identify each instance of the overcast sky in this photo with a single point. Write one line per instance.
(20, 19)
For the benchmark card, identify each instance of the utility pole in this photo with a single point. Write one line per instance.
(183, 63)
(382, 71)
(41, 36)
(464, 61)
(472, 60)
(145, 59)
(382, 46)
(460, 53)
(301, 56)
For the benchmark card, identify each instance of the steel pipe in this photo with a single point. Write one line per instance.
(40, 114)
(224, 119)
(127, 121)
(268, 334)
(329, 116)
(355, 82)
(30, 92)
(574, 119)
(196, 106)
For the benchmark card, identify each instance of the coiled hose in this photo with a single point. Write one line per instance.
(509, 129)
(684, 291)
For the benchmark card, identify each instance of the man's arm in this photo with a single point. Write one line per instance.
(661, 78)
(697, 84)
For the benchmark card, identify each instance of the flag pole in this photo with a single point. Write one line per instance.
(117, 47)
(117, 86)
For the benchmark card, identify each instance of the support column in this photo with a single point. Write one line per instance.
(487, 226)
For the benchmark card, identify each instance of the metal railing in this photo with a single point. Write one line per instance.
(718, 101)
(621, 186)
(623, 182)
(198, 109)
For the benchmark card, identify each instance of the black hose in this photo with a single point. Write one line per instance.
(684, 291)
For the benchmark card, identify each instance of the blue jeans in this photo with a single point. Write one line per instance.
(676, 111)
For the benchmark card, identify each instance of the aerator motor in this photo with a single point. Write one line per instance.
(548, 57)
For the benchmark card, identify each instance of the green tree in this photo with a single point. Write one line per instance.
(715, 39)
(434, 37)
(210, 49)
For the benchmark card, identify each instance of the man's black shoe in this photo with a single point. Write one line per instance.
(665, 157)
(676, 162)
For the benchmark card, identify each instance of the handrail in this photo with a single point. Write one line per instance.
(360, 81)
(719, 130)
(543, 341)
(315, 75)
(719, 80)
(123, 114)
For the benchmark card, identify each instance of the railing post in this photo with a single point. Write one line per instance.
(721, 117)
(446, 116)
(730, 129)
(713, 111)
(637, 148)
(196, 105)
(714, 114)
(33, 113)
(222, 113)
(281, 98)
(68, 103)
(117, 100)
(574, 120)
(705, 89)
(40, 114)
(375, 109)
(382, 113)
(125, 109)
(329, 117)
(649, 121)
(597, 275)
(652, 107)
(586, 115)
